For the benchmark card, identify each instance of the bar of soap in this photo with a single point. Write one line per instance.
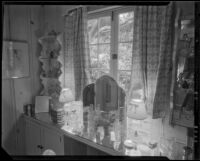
(128, 143)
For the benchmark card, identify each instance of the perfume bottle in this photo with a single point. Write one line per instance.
(186, 153)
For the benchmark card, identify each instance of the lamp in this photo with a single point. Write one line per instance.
(66, 95)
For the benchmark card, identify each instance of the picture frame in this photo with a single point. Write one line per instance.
(15, 60)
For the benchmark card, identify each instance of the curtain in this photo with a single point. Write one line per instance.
(77, 56)
(152, 57)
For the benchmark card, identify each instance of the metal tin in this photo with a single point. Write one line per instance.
(29, 110)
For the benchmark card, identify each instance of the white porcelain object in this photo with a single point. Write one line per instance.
(48, 152)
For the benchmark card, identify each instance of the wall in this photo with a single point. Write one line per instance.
(21, 23)
(25, 23)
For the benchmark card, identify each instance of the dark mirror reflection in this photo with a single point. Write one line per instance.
(184, 85)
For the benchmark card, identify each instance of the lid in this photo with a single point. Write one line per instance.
(128, 144)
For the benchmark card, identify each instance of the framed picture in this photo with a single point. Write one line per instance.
(15, 60)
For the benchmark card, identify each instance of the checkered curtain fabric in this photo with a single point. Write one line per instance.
(77, 56)
(152, 56)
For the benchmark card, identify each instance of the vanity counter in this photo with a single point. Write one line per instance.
(44, 119)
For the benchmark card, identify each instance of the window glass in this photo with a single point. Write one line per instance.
(99, 30)
(126, 27)
(92, 30)
(104, 56)
(93, 56)
(125, 38)
(124, 56)
(104, 29)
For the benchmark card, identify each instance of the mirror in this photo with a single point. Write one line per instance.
(182, 113)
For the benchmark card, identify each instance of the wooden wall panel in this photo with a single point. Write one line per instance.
(8, 108)
(36, 29)
(21, 23)
(73, 147)
(22, 89)
(5, 23)
(51, 18)
(8, 118)
(54, 20)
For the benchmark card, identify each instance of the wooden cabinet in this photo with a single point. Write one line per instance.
(74, 147)
(41, 134)
(93, 151)
(40, 138)
(33, 138)
(53, 140)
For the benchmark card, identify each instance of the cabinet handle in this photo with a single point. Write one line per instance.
(40, 147)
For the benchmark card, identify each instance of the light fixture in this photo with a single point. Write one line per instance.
(66, 95)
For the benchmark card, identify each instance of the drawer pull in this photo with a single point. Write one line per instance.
(40, 147)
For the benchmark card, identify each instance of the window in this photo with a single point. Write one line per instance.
(125, 39)
(99, 41)
(110, 40)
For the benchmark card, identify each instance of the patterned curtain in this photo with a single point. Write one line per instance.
(152, 57)
(77, 62)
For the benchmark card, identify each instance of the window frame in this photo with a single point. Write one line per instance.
(114, 41)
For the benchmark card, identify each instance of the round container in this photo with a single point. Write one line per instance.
(29, 110)
(128, 144)
(25, 110)
(32, 110)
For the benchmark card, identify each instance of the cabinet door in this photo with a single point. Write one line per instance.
(73, 147)
(52, 140)
(33, 135)
(93, 151)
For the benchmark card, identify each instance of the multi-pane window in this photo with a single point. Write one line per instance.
(112, 34)
(125, 39)
(99, 39)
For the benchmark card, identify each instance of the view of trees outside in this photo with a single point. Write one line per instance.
(99, 38)
(125, 49)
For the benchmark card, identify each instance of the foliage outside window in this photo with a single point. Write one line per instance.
(125, 39)
(100, 37)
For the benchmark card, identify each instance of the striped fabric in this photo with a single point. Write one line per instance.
(77, 56)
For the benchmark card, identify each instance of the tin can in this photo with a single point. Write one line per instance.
(25, 110)
(29, 110)
(32, 110)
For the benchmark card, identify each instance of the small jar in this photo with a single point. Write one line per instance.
(32, 111)
(128, 144)
(186, 153)
(25, 110)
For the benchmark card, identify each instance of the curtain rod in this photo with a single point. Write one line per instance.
(104, 9)
(94, 11)
(72, 9)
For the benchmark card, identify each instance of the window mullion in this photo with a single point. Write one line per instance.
(98, 45)
(114, 45)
